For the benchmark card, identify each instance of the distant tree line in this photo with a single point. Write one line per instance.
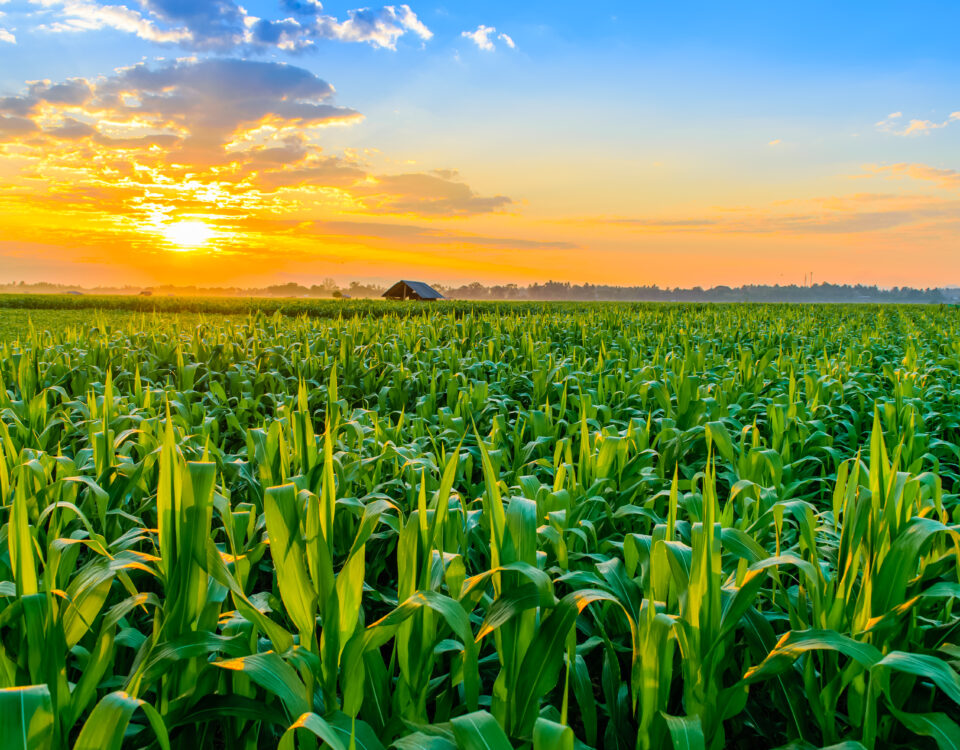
(550, 290)
(562, 290)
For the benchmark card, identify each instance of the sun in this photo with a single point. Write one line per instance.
(187, 235)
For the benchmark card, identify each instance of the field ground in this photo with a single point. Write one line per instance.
(478, 526)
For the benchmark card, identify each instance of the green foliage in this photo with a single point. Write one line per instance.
(368, 526)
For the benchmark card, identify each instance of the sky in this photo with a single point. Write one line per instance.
(220, 142)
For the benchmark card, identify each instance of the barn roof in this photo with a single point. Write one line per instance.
(422, 290)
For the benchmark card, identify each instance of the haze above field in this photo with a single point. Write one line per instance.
(166, 296)
(698, 144)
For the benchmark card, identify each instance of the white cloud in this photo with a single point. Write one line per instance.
(380, 28)
(481, 37)
(6, 36)
(408, 19)
(78, 15)
(506, 39)
(224, 25)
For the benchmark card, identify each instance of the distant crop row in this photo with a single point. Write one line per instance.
(323, 308)
(537, 527)
(315, 308)
(318, 308)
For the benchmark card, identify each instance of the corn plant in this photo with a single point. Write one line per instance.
(537, 526)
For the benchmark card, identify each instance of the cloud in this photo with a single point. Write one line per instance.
(16, 126)
(328, 172)
(481, 37)
(234, 143)
(8, 37)
(436, 195)
(665, 223)
(427, 195)
(70, 130)
(429, 236)
(860, 213)
(74, 91)
(408, 19)
(890, 121)
(948, 179)
(775, 142)
(78, 16)
(916, 127)
(212, 22)
(381, 28)
(893, 124)
(195, 108)
(224, 25)
(302, 7)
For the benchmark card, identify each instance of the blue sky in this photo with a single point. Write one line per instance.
(682, 143)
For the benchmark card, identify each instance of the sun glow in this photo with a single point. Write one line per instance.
(187, 235)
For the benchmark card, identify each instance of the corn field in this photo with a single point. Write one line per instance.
(632, 527)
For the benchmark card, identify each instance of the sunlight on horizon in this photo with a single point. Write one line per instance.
(719, 147)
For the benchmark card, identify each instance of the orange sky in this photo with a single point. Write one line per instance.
(218, 170)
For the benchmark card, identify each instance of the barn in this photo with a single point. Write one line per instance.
(412, 290)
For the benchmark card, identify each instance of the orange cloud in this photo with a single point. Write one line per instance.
(227, 142)
(893, 124)
(856, 214)
(947, 179)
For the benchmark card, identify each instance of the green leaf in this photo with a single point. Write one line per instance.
(107, 724)
(421, 741)
(939, 727)
(274, 675)
(797, 642)
(363, 736)
(717, 433)
(479, 731)
(548, 735)
(349, 588)
(289, 557)
(923, 665)
(20, 543)
(26, 718)
(686, 733)
(541, 665)
(312, 723)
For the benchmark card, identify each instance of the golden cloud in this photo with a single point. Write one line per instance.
(227, 142)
